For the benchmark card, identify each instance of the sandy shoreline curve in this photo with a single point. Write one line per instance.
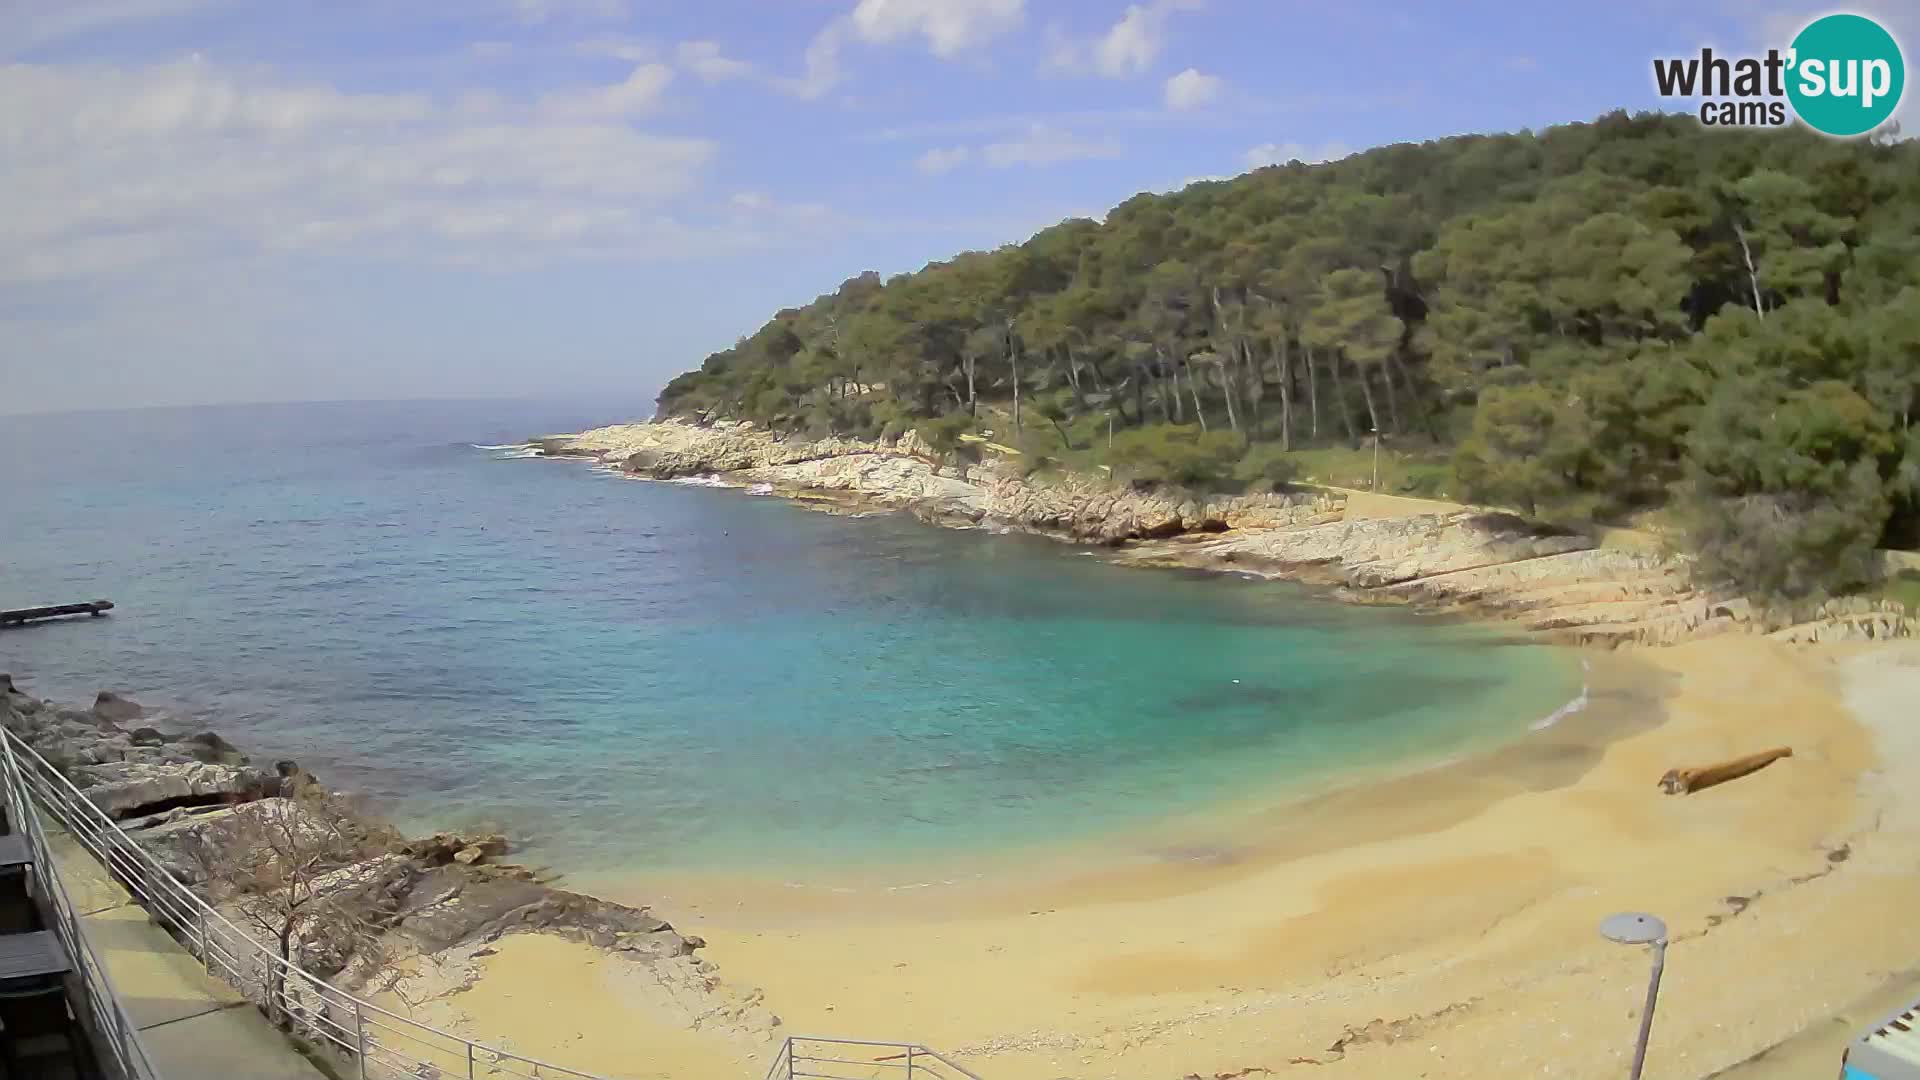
(1446, 934)
(1234, 833)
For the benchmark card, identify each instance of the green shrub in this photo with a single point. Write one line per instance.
(892, 420)
(1785, 495)
(1177, 454)
(1267, 468)
(943, 432)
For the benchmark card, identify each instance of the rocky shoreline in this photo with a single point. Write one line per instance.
(1563, 586)
(433, 903)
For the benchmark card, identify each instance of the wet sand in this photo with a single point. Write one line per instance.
(1437, 925)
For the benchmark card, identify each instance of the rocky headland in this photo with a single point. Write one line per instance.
(406, 919)
(1484, 563)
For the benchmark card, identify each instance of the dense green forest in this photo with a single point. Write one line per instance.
(1634, 317)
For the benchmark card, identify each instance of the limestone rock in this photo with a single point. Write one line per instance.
(442, 848)
(115, 708)
(454, 903)
(209, 747)
(177, 839)
(1869, 625)
(124, 787)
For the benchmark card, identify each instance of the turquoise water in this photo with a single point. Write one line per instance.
(632, 674)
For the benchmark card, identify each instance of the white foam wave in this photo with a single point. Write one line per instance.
(502, 446)
(1578, 703)
(760, 489)
(701, 481)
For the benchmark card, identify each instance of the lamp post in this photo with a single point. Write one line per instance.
(1376, 460)
(1634, 928)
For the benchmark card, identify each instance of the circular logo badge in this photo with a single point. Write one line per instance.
(1848, 75)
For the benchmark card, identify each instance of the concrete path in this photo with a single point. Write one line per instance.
(1816, 1051)
(193, 1025)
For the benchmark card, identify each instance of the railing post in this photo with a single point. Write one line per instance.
(206, 950)
(360, 1037)
(469, 1059)
(909, 1063)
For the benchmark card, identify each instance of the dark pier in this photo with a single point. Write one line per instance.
(22, 616)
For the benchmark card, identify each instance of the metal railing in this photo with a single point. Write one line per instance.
(115, 1036)
(378, 1042)
(803, 1057)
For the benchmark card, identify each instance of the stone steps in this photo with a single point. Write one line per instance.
(1870, 626)
(1619, 612)
(1641, 587)
(1670, 630)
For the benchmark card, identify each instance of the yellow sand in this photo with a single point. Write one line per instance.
(1442, 926)
(570, 1004)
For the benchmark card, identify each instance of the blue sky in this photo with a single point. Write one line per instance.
(218, 200)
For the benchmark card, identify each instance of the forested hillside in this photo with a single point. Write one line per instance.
(1587, 323)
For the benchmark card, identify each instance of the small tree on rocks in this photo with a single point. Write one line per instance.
(297, 870)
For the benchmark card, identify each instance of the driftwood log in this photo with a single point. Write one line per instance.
(1688, 781)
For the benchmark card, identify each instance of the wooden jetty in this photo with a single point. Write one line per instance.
(22, 616)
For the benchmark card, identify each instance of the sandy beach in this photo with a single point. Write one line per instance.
(1440, 926)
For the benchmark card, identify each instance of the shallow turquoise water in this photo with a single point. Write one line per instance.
(636, 674)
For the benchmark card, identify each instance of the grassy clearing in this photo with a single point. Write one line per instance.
(1902, 588)
(1422, 472)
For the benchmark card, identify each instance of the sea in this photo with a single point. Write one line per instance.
(628, 674)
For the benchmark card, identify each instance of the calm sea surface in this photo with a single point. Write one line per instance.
(635, 674)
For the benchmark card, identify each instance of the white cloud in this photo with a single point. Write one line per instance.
(1042, 145)
(822, 65)
(638, 93)
(1281, 153)
(760, 205)
(942, 159)
(543, 11)
(103, 169)
(1039, 144)
(1190, 90)
(706, 61)
(30, 24)
(1129, 47)
(618, 47)
(995, 124)
(1133, 43)
(950, 26)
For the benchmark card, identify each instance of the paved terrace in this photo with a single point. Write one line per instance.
(193, 1025)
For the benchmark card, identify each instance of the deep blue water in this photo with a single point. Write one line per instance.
(635, 674)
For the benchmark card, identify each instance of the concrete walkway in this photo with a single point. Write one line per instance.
(1816, 1051)
(193, 1025)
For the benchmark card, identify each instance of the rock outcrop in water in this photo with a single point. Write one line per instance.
(443, 896)
(1561, 585)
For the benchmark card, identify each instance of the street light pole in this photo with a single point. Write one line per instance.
(1634, 928)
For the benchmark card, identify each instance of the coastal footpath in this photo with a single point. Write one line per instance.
(402, 922)
(1479, 562)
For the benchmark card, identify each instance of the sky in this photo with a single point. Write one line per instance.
(207, 201)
